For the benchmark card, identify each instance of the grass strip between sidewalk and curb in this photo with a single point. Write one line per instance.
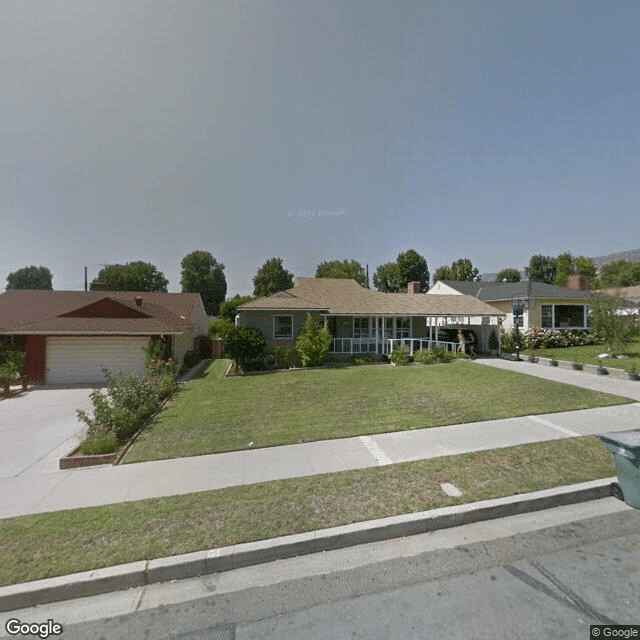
(214, 414)
(63, 542)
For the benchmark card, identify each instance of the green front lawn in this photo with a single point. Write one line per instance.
(63, 542)
(589, 355)
(214, 414)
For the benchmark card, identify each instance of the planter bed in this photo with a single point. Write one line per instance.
(76, 459)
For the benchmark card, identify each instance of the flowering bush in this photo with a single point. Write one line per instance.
(127, 404)
(536, 338)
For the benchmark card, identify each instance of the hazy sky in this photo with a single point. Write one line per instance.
(315, 130)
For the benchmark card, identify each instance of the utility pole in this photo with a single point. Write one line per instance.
(85, 278)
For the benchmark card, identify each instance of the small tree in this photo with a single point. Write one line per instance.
(313, 343)
(616, 331)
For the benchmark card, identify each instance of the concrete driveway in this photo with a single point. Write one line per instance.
(38, 427)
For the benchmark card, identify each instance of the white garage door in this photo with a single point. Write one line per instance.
(71, 360)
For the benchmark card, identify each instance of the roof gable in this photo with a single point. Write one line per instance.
(105, 308)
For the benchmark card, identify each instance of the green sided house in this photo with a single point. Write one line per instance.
(365, 321)
(68, 336)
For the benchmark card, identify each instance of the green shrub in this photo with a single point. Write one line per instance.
(155, 350)
(313, 343)
(128, 403)
(12, 361)
(282, 356)
(220, 327)
(191, 359)
(437, 353)
(510, 339)
(363, 358)
(245, 345)
(400, 355)
(424, 356)
(104, 443)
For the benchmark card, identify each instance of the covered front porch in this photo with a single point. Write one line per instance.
(380, 335)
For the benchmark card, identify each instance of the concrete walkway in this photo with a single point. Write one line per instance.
(36, 493)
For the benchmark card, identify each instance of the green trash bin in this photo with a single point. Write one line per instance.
(625, 445)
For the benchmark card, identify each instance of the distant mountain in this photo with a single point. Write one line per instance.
(630, 256)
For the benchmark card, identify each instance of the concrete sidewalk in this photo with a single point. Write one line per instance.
(107, 485)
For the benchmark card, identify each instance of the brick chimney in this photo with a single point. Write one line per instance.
(577, 282)
(138, 300)
(98, 286)
(413, 287)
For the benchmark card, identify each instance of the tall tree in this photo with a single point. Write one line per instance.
(510, 275)
(461, 269)
(30, 278)
(386, 278)
(566, 264)
(132, 276)
(349, 269)
(272, 277)
(442, 273)
(203, 274)
(409, 266)
(412, 267)
(541, 269)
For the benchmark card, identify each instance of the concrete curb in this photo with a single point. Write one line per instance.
(191, 565)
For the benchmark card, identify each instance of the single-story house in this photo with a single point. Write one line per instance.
(527, 303)
(68, 336)
(365, 321)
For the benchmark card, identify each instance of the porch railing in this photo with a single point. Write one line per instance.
(415, 344)
(356, 345)
(385, 347)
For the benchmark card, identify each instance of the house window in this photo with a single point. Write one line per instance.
(569, 315)
(518, 320)
(403, 327)
(283, 327)
(563, 316)
(361, 327)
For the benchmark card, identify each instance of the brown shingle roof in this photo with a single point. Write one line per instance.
(26, 311)
(337, 296)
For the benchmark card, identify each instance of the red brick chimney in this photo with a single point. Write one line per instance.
(413, 287)
(98, 286)
(577, 282)
(138, 300)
